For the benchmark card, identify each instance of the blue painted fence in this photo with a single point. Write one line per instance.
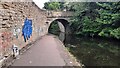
(27, 29)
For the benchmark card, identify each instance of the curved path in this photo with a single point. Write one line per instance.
(48, 51)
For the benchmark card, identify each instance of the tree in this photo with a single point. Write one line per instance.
(110, 19)
(100, 19)
(54, 6)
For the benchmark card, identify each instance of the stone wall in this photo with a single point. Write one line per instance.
(62, 14)
(12, 17)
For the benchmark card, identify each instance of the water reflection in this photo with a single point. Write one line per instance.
(62, 36)
(65, 38)
(93, 51)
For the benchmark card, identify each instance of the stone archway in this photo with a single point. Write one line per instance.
(63, 25)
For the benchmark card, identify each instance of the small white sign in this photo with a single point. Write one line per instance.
(15, 50)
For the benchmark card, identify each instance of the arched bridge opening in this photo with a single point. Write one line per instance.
(59, 25)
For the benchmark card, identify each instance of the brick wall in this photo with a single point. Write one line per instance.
(12, 16)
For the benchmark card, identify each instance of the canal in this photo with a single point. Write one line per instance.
(92, 51)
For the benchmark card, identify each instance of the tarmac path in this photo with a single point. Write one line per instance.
(45, 52)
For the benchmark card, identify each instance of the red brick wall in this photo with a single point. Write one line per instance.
(12, 16)
(0, 45)
(6, 42)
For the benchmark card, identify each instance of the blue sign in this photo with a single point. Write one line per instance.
(27, 29)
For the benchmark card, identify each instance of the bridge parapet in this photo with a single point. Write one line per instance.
(52, 14)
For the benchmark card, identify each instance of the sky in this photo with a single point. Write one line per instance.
(40, 3)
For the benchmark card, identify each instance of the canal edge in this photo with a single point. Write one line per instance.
(66, 55)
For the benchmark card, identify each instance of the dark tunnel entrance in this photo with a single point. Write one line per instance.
(60, 27)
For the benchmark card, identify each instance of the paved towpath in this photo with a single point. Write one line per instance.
(45, 52)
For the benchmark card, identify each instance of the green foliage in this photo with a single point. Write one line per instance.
(116, 33)
(54, 6)
(54, 28)
(105, 32)
(109, 17)
(101, 19)
(90, 26)
(76, 6)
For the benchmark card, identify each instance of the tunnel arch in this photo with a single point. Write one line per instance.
(63, 25)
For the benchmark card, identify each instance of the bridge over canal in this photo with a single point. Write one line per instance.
(62, 18)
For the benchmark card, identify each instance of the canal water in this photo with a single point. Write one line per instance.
(93, 51)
